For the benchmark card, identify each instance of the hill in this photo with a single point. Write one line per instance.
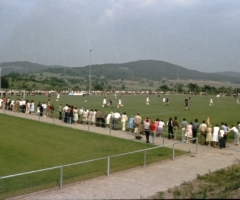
(23, 67)
(137, 70)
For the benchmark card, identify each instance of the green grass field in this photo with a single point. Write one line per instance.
(30, 145)
(225, 109)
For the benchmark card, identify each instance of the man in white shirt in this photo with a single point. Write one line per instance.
(44, 105)
(236, 134)
(65, 109)
(116, 118)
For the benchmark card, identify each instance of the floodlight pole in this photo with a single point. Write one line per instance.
(90, 72)
(177, 78)
(1, 81)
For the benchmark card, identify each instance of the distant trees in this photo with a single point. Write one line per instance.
(164, 88)
(193, 87)
(4, 83)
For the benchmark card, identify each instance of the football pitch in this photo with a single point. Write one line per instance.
(225, 109)
(31, 145)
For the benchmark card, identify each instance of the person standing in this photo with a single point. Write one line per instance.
(170, 129)
(124, 119)
(221, 139)
(161, 124)
(75, 115)
(186, 104)
(119, 102)
(137, 122)
(175, 127)
(60, 110)
(65, 110)
(209, 134)
(203, 130)
(32, 107)
(211, 102)
(58, 97)
(80, 115)
(195, 130)
(147, 101)
(224, 127)
(215, 135)
(147, 131)
(104, 104)
(236, 134)
(94, 117)
(52, 111)
(116, 118)
(164, 101)
(108, 119)
(184, 126)
(153, 131)
(188, 132)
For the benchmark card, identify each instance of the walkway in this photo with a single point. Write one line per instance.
(141, 182)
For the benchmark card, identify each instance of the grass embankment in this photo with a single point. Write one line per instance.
(222, 184)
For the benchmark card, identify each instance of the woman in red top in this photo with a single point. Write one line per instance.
(153, 131)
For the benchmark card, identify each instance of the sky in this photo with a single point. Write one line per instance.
(201, 35)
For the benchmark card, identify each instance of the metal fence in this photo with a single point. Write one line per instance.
(108, 159)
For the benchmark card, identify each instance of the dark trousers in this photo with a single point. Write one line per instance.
(221, 142)
(98, 121)
(147, 133)
(115, 123)
(194, 135)
(170, 133)
(60, 115)
(102, 122)
(225, 141)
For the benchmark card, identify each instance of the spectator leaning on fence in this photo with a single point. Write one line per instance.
(236, 134)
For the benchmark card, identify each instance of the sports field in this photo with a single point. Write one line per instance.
(30, 145)
(225, 109)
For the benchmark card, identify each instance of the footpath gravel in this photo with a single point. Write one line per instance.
(141, 182)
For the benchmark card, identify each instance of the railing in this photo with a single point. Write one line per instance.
(87, 125)
(108, 159)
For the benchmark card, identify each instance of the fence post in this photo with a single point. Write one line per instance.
(61, 177)
(196, 145)
(145, 155)
(163, 138)
(173, 152)
(110, 130)
(108, 166)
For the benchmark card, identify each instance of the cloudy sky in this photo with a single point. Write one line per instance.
(197, 34)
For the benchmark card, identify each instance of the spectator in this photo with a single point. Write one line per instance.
(175, 127)
(215, 135)
(184, 126)
(236, 134)
(209, 134)
(147, 131)
(170, 129)
(195, 130)
(203, 131)
(153, 131)
(161, 124)
(124, 120)
(188, 133)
